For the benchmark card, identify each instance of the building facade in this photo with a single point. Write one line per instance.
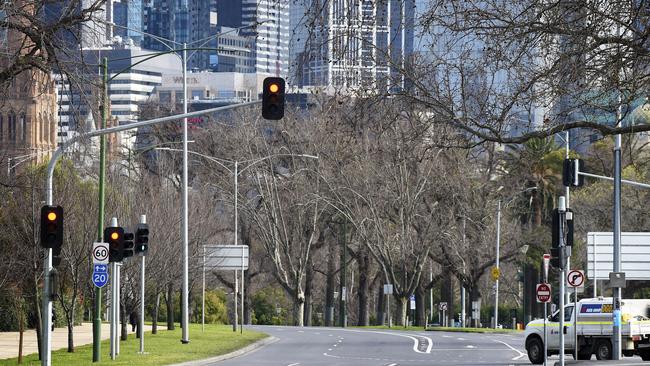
(351, 45)
(27, 108)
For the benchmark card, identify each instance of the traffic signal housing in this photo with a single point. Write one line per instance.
(570, 173)
(142, 239)
(114, 236)
(129, 245)
(273, 98)
(52, 231)
(557, 259)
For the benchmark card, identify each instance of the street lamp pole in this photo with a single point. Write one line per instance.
(496, 284)
(184, 317)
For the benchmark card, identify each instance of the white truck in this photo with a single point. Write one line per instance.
(594, 330)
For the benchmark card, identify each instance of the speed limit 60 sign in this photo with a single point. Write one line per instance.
(100, 253)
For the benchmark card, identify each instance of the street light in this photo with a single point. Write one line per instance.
(185, 291)
(236, 172)
(22, 159)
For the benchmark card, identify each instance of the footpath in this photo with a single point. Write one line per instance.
(83, 334)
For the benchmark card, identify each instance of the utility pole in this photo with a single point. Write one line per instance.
(342, 308)
(616, 313)
(496, 283)
(184, 306)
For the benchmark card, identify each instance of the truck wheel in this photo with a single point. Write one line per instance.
(603, 349)
(535, 350)
(645, 355)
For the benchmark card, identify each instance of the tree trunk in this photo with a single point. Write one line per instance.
(247, 296)
(330, 283)
(448, 296)
(124, 321)
(364, 267)
(420, 305)
(169, 300)
(21, 330)
(37, 310)
(381, 307)
(309, 283)
(70, 322)
(299, 310)
(475, 298)
(154, 315)
(402, 307)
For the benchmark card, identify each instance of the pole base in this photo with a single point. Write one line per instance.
(185, 341)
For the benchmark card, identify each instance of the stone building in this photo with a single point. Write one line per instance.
(27, 108)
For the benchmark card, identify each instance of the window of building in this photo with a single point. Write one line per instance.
(165, 97)
(12, 127)
(197, 94)
(23, 126)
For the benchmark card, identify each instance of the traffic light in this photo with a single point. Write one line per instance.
(273, 98)
(570, 170)
(114, 236)
(569, 227)
(52, 231)
(142, 239)
(129, 246)
(557, 259)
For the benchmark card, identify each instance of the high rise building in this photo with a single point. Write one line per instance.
(254, 33)
(360, 45)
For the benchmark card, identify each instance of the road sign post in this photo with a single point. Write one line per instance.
(543, 295)
(576, 279)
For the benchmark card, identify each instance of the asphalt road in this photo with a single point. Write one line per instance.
(357, 347)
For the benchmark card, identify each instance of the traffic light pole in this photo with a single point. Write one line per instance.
(143, 220)
(46, 342)
(97, 306)
(114, 301)
(616, 313)
(562, 210)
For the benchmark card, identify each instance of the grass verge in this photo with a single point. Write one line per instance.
(163, 348)
(443, 329)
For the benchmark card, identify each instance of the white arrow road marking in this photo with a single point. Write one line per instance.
(512, 348)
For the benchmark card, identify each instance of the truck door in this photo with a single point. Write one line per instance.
(553, 329)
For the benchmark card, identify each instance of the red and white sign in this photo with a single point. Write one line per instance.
(543, 292)
(575, 278)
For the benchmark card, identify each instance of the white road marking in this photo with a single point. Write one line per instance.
(329, 349)
(461, 339)
(416, 342)
(294, 364)
(300, 331)
(512, 348)
(446, 336)
(470, 346)
(392, 364)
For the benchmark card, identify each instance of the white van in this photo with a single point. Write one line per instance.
(594, 327)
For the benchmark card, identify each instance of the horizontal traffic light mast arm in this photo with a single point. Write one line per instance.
(58, 152)
(632, 183)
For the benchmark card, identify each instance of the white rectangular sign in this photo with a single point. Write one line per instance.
(100, 253)
(635, 255)
(226, 257)
(388, 289)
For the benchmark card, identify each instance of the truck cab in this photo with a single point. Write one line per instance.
(594, 330)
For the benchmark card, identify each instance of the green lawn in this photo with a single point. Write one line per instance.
(164, 348)
(443, 329)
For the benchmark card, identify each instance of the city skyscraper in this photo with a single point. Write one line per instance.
(351, 44)
(254, 29)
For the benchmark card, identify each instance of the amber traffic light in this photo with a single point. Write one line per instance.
(114, 236)
(273, 98)
(52, 231)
